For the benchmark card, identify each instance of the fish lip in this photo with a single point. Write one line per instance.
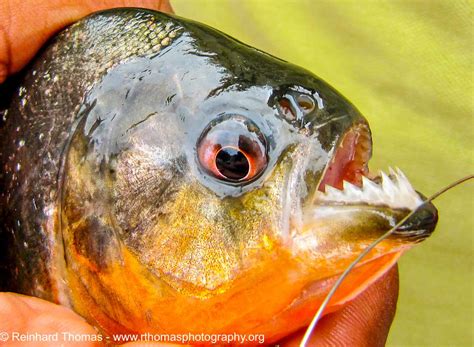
(419, 226)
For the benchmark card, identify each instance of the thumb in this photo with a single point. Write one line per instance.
(22, 316)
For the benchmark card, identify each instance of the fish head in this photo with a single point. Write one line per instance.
(214, 188)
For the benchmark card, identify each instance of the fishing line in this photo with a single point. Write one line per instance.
(317, 316)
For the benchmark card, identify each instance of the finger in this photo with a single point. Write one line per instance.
(26, 25)
(151, 344)
(29, 315)
(24, 315)
(365, 321)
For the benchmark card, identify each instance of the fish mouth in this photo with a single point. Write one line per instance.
(351, 209)
(347, 181)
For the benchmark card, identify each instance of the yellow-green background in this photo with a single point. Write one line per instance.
(408, 67)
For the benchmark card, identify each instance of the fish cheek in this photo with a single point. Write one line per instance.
(194, 240)
(143, 186)
(185, 243)
(86, 225)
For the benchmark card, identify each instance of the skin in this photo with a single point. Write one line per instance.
(365, 321)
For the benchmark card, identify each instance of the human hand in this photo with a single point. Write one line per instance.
(27, 24)
(28, 315)
(364, 321)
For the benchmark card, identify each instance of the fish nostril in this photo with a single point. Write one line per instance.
(286, 108)
(295, 106)
(306, 103)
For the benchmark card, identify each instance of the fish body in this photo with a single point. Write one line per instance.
(160, 176)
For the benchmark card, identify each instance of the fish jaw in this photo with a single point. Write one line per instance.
(301, 311)
(352, 197)
(349, 211)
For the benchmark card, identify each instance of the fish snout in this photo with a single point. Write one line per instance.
(420, 225)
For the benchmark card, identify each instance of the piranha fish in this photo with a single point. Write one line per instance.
(160, 176)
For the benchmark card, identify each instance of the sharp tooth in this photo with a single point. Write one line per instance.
(349, 186)
(388, 187)
(396, 176)
(333, 192)
(404, 182)
(352, 192)
(401, 175)
(384, 176)
(395, 191)
(408, 196)
(391, 172)
(368, 184)
(372, 191)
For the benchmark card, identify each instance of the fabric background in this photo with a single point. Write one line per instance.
(408, 67)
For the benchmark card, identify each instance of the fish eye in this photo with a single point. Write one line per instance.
(232, 149)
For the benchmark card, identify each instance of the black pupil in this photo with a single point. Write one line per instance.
(232, 163)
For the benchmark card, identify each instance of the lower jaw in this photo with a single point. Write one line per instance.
(303, 308)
